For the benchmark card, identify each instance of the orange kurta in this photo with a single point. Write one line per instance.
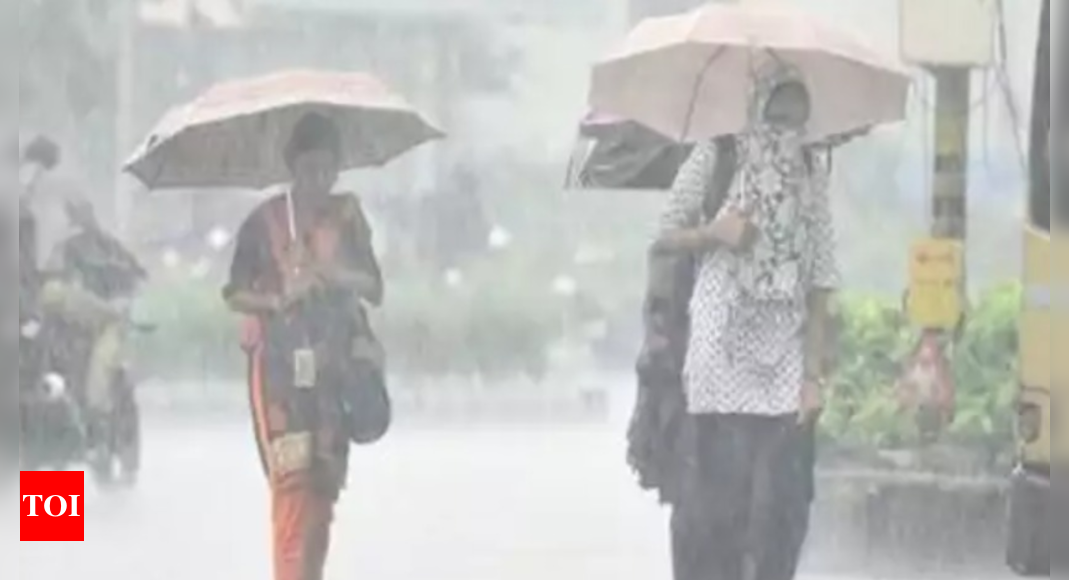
(299, 432)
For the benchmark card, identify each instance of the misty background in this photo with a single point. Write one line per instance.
(481, 220)
(498, 280)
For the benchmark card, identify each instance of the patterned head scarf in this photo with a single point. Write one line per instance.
(773, 181)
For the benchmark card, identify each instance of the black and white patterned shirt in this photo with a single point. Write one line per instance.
(746, 356)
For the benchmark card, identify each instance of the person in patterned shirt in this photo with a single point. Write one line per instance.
(755, 359)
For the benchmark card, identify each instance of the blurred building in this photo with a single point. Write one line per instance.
(640, 9)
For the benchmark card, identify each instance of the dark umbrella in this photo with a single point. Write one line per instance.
(618, 154)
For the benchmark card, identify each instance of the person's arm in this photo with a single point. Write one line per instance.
(843, 139)
(358, 271)
(127, 258)
(817, 333)
(824, 277)
(680, 227)
(240, 292)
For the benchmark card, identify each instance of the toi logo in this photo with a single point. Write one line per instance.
(52, 506)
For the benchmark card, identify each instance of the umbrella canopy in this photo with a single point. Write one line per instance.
(614, 153)
(690, 76)
(234, 135)
(599, 124)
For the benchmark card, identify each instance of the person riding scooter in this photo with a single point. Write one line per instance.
(92, 278)
(37, 440)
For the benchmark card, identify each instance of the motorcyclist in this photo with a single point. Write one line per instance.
(34, 160)
(92, 278)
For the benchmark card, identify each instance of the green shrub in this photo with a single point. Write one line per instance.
(873, 340)
(493, 325)
(500, 324)
(863, 411)
(196, 336)
(987, 373)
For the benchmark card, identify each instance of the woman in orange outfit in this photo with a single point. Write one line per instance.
(303, 270)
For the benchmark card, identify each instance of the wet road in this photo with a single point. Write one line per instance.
(449, 505)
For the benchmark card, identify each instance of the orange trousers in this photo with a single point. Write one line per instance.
(301, 520)
(301, 513)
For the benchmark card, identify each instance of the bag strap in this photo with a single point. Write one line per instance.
(725, 168)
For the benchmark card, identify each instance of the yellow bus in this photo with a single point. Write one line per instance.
(1031, 525)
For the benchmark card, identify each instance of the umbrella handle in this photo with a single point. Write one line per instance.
(692, 108)
(291, 225)
(291, 215)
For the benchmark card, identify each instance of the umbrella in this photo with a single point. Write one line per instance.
(614, 153)
(690, 76)
(234, 134)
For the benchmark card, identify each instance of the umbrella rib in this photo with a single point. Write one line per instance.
(692, 108)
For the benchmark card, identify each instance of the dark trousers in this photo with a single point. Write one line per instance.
(744, 512)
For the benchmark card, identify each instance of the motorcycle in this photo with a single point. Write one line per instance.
(58, 430)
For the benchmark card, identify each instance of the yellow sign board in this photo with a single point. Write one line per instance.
(936, 284)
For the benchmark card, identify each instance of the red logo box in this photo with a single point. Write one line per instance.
(52, 506)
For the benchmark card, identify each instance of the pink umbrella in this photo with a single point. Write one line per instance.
(234, 134)
(690, 76)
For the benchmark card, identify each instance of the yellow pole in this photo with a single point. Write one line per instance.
(950, 182)
(938, 273)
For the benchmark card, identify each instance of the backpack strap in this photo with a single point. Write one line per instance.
(725, 168)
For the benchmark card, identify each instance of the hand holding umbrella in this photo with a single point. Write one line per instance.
(301, 285)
